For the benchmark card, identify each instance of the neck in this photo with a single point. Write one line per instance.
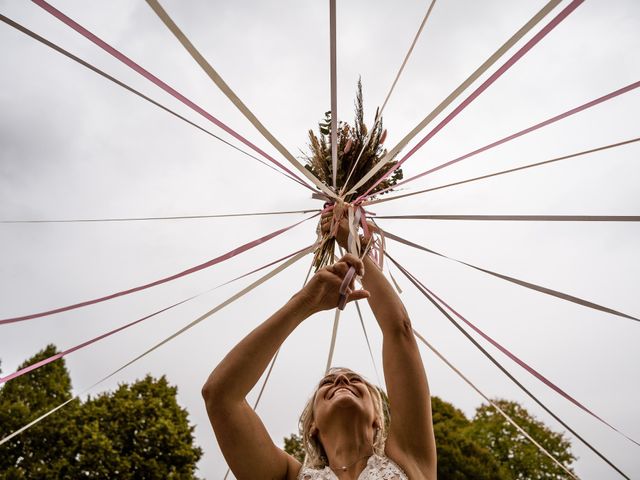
(349, 445)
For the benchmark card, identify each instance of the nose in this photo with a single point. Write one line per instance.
(342, 378)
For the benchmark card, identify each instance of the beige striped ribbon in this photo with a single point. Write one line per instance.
(224, 88)
(456, 93)
(493, 404)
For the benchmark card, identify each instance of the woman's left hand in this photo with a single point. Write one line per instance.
(323, 290)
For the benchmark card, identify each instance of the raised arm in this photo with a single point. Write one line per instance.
(411, 440)
(411, 433)
(242, 437)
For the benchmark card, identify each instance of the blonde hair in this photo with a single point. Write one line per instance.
(315, 456)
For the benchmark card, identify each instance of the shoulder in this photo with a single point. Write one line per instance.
(294, 468)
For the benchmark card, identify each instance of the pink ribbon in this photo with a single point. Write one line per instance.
(344, 286)
(508, 138)
(59, 355)
(202, 266)
(516, 359)
(149, 76)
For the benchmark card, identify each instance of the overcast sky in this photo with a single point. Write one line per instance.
(75, 145)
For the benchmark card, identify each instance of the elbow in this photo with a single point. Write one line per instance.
(212, 390)
(401, 326)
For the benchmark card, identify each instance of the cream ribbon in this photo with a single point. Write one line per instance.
(334, 336)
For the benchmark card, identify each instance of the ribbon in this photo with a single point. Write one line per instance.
(537, 18)
(219, 307)
(497, 74)
(344, 287)
(64, 353)
(138, 219)
(67, 54)
(522, 283)
(520, 218)
(230, 94)
(525, 366)
(334, 336)
(406, 57)
(537, 126)
(366, 337)
(384, 104)
(149, 76)
(422, 290)
(334, 91)
(504, 172)
(492, 403)
(197, 268)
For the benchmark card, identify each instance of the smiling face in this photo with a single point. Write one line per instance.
(342, 388)
(341, 391)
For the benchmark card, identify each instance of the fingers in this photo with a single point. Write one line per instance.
(352, 261)
(339, 268)
(357, 295)
(326, 222)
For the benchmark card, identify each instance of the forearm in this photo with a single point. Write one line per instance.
(384, 301)
(241, 369)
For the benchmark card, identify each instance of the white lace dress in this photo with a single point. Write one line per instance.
(378, 468)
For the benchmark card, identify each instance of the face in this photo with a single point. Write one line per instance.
(342, 389)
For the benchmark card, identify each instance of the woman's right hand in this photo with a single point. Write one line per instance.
(322, 292)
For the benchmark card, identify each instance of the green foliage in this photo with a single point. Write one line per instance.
(460, 457)
(35, 455)
(137, 432)
(293, 446)
(513, 449)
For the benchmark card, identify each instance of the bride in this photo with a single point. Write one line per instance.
(343, 424)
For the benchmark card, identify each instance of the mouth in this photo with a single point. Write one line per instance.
(346, 389)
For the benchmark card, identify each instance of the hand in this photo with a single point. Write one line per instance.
(342, 234)
(323, 290)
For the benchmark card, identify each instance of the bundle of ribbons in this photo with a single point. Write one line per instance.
(357, 151)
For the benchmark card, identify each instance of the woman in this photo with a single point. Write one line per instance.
(343, 424)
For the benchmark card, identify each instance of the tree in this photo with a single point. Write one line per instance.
(35, 455)
(514, 450)
(137, 432)
(293, 446)
(460, 456)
